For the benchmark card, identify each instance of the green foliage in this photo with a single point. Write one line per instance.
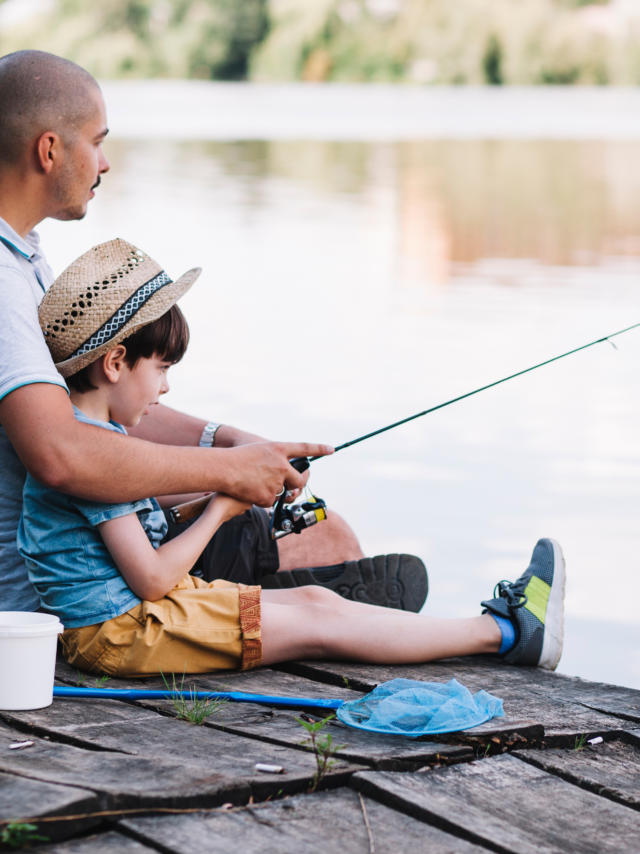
(101, 681)
(580, 742)
(187, 705)
(469, 41)
(322, 746)
(410, 41)
(18, 834)
(208, 39)
(492, 61)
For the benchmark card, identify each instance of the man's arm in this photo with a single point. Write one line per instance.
(89, 462)
(170, 427)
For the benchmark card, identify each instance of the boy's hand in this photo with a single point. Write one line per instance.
(227, 507)
(261, 470)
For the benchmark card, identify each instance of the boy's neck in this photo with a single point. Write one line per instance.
(92, 403)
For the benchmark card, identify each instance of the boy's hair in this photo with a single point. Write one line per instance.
(166, 337)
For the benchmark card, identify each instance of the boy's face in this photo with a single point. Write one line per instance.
(137, 389)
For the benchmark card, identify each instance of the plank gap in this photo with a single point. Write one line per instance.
(58, 737)
(401, 805)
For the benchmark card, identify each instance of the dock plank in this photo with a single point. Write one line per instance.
(21, 797)
(509, 805)
(48, 798)
(205, 749)
(329, 822)
(372, 749)
(102, 843)
(94, 755)
(280, 727)
(611, 769)
(262, 680)
(121, 781)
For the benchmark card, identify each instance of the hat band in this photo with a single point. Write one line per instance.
(126, 311)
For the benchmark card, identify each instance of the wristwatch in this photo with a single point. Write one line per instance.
(208, 437)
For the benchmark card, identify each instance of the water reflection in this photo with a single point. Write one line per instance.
(560, 202)
(349, 284)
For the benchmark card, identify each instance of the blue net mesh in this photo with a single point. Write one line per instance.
(411, 708)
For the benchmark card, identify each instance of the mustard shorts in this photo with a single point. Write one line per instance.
(197, 627)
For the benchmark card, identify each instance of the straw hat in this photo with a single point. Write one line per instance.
(102, 298)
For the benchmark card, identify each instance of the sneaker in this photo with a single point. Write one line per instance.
(535, 605)
(394, 581)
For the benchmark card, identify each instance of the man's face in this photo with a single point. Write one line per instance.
(82, 163)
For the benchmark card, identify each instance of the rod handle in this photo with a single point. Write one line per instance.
(189, 510)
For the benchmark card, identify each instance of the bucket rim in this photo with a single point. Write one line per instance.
(17, 624)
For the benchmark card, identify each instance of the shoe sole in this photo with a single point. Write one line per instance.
(393, 581)
(554, 617)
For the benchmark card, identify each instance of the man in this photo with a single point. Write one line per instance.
(52, 127)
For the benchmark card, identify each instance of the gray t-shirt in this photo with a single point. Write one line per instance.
(24, 359)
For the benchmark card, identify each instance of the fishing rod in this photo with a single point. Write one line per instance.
(315, 511)
(471, 393)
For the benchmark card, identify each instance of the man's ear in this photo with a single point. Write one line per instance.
(48, 150)
(113, 363)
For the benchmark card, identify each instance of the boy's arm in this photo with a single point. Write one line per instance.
(152, 573)
(102, 465)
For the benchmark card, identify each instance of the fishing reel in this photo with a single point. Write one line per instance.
(285, 518)
(294, 518)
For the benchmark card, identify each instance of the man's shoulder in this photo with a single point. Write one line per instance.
(12, 274)
(8, 261)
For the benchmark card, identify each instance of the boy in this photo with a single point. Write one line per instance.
(124, 592)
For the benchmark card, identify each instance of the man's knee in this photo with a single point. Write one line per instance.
(329, 542)
(313, 594)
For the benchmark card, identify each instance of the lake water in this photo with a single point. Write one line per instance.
(369, 253)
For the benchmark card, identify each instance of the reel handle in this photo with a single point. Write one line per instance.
(300, 463)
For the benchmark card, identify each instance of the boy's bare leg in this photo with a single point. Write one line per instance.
(329, 542)
(523, 621)
(321, 627)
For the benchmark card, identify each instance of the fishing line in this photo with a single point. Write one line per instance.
(482, 388)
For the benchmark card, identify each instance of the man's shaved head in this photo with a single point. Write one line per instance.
(40, 92)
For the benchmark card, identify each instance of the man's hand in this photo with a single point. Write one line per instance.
(262, 469)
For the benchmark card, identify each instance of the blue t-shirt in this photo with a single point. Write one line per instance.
(67, 560)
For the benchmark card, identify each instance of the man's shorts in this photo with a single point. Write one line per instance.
(241, 550)
(197, 627)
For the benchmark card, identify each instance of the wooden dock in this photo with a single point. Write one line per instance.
(103, 775)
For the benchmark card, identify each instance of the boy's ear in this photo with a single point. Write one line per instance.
(113, 363)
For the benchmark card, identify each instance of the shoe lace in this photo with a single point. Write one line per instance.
(513, 592)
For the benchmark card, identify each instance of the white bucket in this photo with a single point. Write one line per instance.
(28, 642)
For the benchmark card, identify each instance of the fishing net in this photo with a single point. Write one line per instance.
(401, 706)
(411, 708)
